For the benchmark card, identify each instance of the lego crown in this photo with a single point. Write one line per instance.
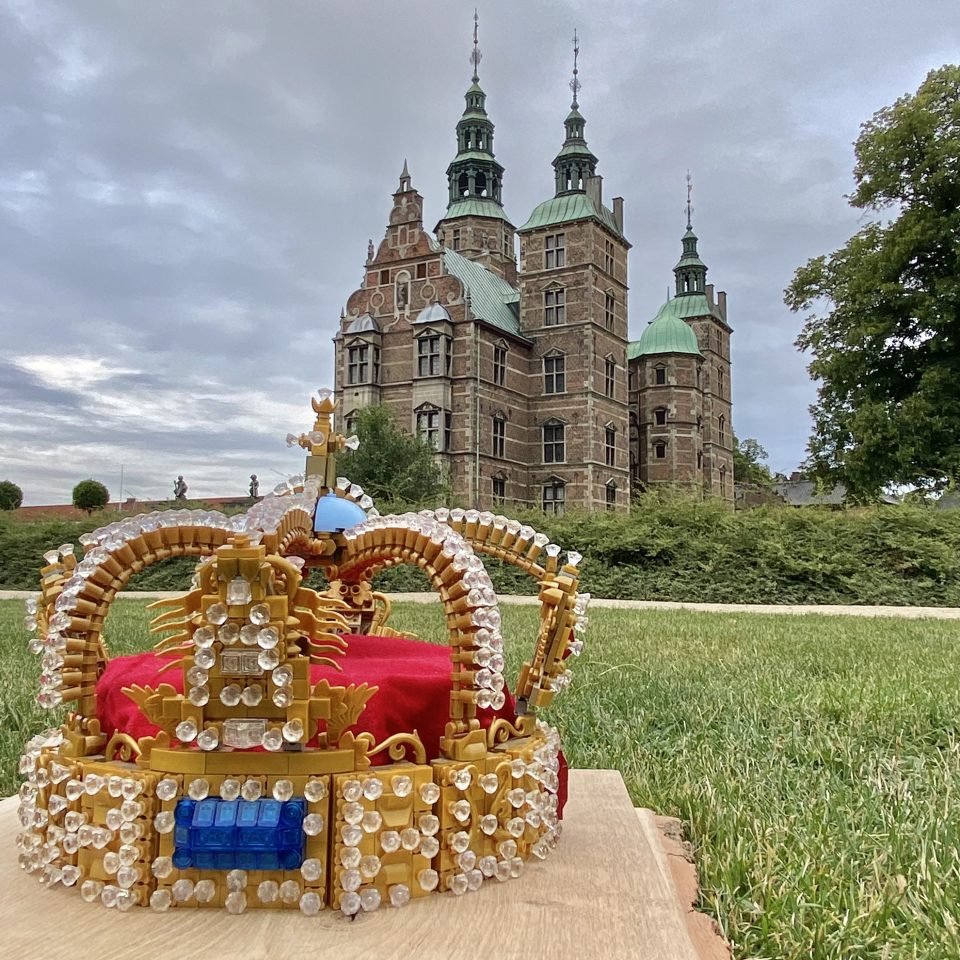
(258, 784)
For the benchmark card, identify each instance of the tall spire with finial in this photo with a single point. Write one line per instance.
(690, 271)
(575, 82)
(476, 56)
(574, 164)
(474, 173)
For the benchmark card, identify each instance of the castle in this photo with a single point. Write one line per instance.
(523, 377)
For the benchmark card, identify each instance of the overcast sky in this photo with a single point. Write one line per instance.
(187, 189)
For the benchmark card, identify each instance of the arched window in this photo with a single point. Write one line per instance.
(463, 185)
(480, 185)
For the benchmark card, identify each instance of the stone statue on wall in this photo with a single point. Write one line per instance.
(254, 485)
(179, 488)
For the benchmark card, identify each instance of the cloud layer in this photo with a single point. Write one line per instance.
(186, 192)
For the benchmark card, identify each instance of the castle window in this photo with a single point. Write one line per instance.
(659, 374)
(699, 459)
(720, 381)
(428, 426)
(555, 251)
(554, 373)
(609, 376)
(358, 365)
(554, 307)
(350, 422)
(499, 484)
(609, 310)
(608, 257)
(448, 431)
(384, 277)
(660, 450)
(507, 244)
(721, 428)
(499, 365)
(456, 238)
(553, 442)
(660, 416)
(610, 446)
(723, 479)
(553, 496)
(421, 271)
(611, 495)
(428, 355)
(499, 436)
(463, 186)
(632, 376)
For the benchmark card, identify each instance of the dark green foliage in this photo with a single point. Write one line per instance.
(391, 464)
(90, 495)
(666, 549)
(749, 462)
(885, 331)
(11, 496)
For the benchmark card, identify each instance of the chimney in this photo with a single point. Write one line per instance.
(594, 188)
(722, 304)
(710, 294)
(618, 212)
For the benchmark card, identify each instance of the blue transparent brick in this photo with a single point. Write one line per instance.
(215, 834)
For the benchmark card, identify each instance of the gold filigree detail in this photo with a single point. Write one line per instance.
(346, 705)
(502, 730)
(122, 747)
(397, 746)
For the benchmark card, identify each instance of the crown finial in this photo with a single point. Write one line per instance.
(575, 82)
(689, 201)
(476, 56)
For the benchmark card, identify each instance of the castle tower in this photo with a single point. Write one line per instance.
(573, 307)
(680, 405)
(475, 224)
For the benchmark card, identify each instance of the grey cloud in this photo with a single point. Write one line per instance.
(187, 190)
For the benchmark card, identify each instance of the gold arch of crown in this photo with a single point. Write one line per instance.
(244, 638)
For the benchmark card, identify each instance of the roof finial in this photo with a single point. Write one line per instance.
(575, 82)
(476, 56)
(405, 178)
(689, 201)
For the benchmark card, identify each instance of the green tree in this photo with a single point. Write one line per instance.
(11, 496)
(390, 464)
(749, 462)
(90, 495)
(884, 333)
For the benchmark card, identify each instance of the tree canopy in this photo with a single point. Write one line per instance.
(390, 464)
(90, 495)
(11, 496)
(884, 331)
(749, 462)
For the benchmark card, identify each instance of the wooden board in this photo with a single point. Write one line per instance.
(601, 894)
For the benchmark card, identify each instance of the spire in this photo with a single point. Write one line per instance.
(574, 164)
(575, 82)
(405, 185)
(690, 271)
(476, 56)
(474, 174)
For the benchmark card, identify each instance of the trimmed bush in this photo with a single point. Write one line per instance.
(11, 496)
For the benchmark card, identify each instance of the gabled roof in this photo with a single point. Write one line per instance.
(569, 207)
(491, 298)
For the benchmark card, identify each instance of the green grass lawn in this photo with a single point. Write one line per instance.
(813, 760)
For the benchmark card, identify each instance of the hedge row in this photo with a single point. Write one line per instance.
(672, 549)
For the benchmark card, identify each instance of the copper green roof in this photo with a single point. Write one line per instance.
(668, 332)
(491, 298)
(567, 208)
(475, 207)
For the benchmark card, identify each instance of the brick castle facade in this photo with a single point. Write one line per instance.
(522, 374)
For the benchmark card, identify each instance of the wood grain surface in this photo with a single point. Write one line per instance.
(602, 893)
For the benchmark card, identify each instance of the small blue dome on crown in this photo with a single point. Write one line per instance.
(334, 514)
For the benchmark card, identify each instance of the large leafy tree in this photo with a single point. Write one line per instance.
(749, 462)
(884, 331)
(390, 464)
(90, 495)
(11, 496)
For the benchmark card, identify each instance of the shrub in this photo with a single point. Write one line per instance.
(90, 495)
(11, 496)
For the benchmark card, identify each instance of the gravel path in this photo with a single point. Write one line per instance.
(830, 610)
